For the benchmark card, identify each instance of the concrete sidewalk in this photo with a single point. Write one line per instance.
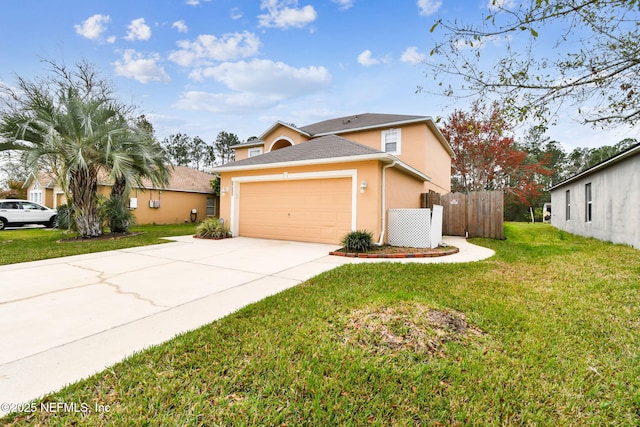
(64, 319)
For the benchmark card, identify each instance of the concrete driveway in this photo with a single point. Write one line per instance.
(64, 319)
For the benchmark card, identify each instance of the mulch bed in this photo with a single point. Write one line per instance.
(104, 236)
(399, 252)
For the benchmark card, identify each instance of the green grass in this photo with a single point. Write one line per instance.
(31, 244)
(553, 340)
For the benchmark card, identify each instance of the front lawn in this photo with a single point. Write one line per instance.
(31, 244)
(545, 333)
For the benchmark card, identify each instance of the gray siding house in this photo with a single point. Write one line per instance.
(602, 201)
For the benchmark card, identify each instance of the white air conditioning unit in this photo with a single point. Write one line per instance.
(154, 203)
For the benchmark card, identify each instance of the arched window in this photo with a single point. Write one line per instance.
(281, 142)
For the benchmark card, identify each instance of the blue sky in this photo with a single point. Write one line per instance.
(204, 66)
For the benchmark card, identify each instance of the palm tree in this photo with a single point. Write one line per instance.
(147, 160)
(85, 135)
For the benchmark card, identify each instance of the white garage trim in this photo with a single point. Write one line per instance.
(236, 185)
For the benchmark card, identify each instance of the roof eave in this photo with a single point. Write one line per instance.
(428, 120)
(281, 123)
(377, 126)
(248, 145)
(383, 157)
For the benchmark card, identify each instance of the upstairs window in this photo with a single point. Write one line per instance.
(568, 205)
(255, 151)
(588, 202)
(391, 141)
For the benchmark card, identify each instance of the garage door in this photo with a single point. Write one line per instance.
(313, 210)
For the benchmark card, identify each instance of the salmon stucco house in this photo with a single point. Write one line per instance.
(318, 182)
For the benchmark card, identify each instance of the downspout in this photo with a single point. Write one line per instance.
(383, 198)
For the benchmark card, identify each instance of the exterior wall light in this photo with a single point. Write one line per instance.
(363, 185)
(224, 190)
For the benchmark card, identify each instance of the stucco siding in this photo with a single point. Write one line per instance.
(367, 203)
(438, 165)
(615, 195)
(175, 207)
(403, 191)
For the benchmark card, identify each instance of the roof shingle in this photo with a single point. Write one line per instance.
(325, 147)
(366, 120)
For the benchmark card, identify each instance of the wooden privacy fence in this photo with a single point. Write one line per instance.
(476, 214)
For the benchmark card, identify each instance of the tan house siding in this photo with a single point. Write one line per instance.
(439, 165)
(277, 134)
(288, 194)
(175, 207)
(242, 153)
(403, 191)
(419, 148)
(188, 189)
(366, 201)
(280, 133)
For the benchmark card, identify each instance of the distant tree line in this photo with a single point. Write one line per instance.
(194, 152)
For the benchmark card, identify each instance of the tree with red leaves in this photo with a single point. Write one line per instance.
(485, 156)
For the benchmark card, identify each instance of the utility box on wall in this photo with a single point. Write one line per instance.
(415, 228)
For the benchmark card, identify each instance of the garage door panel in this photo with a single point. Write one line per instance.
(316, 210)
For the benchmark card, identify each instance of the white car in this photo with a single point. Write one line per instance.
(14, 212)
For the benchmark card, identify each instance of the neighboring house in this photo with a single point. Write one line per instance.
(318, 182)
(188, 189)
(602, 201)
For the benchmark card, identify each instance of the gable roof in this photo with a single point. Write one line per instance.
(359, 122)
(182, 178)
(43, 178)
(321, 150)
(324, 147)
(280, 123)
(186, 179)
(354, 123)
(629, 152)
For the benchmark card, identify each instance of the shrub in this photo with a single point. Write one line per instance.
(65, 217)
(212, 228)
(358, 241)
(117, 214)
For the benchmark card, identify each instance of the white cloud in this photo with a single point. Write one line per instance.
(236, 13)
(257, 84)
(93, 27)
(496, 5)
(366, 60)
(498, 41)
(429, 7)
(180, 26)
(194, 2)
(412, 56)
(138, 30)
(135, 66)
(344, 4)
(265, 76)
(211, 48)
(280, 15)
